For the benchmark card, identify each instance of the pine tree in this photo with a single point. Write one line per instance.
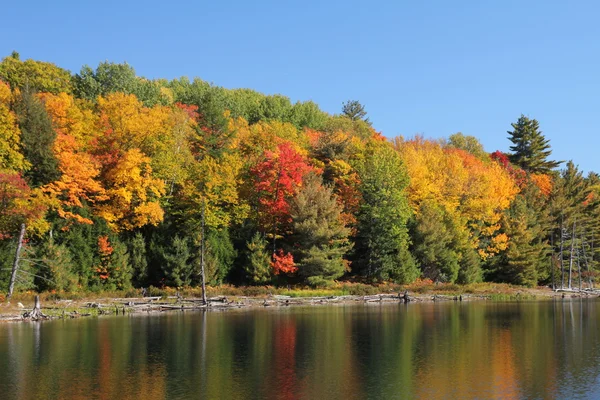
(531, 149)
(355, 111)
(432, 237)
(220, 256)
(320, 237)
(258, 265)
(382, 240)
(37, 139)
(139, 262)
(176, 264)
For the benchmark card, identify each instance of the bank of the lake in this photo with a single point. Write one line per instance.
(78, 305)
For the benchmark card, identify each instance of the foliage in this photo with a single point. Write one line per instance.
(530, 149)
(34, 75)
(382, 239)
(119, 177)
(319, 236)
(258, 264)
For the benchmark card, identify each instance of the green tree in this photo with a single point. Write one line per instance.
(107, 78)
(176, 262)
(119, 267)
(138, 259)
(220, 256)
(355, 111)
(320, 237)
(258, 264)
(518, 263)
(530, 149)
(55, 267)
(37, 139)
(468, 143)
(433, 237)
(34, 75)
(382, 239)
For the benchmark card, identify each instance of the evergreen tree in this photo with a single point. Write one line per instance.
(320, 237)
(220, 256)
(55, 267)
(355, 111)
(119, 267)
(176, 264)
(138, 259)
(258, 264)
(433, 238)
(526, 260)
(530, 149)
(37, 139)
(381, 250)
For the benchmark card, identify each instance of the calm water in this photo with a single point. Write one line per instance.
(450, 350)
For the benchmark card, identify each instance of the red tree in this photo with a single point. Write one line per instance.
(276, 180)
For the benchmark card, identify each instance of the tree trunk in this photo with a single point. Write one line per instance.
(579, 268)
(202, 256)
(592, 261)
(571, 255)
(36, 313)
(562, 242)
(587, 265)
(552, 259)
(15, 268)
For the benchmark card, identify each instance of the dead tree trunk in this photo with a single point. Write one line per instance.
(552, 264)
(579, 267)
(202, 256)
(571, 255)
(562, 242)
(36, 313)
(587, 265)
(15, 268)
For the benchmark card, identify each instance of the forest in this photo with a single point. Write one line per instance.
(124, 182)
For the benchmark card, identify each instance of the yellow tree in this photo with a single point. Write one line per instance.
(133, 193)
(11, 157)
(80, 171)
(469, 189)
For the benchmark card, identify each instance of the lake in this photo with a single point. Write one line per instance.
(483, 350)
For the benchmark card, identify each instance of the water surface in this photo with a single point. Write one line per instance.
(533, 350)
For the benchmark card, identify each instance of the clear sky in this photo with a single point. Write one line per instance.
(428, 67)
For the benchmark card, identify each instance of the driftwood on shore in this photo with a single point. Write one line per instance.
(158, 304)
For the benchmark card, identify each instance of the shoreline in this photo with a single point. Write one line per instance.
(16, 311)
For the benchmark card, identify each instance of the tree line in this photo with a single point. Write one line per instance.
(123, 182)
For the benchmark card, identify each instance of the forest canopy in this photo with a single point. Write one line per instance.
(119, 179)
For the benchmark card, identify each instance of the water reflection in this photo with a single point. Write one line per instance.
(453, 350)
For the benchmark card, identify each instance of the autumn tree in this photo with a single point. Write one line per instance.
(79, 183)
(133, 193)
(20, 204)
(32, 75)
(469, 144)
(276, 180)
(11, 156)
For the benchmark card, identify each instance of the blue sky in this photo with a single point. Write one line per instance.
(427, 67)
